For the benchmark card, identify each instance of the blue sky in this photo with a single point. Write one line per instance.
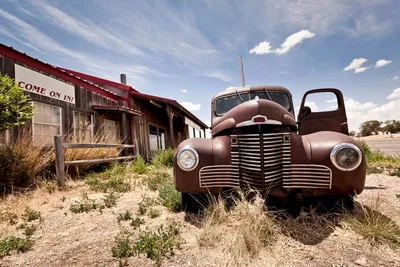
(188, 50)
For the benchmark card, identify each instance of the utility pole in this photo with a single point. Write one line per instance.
(241, 70)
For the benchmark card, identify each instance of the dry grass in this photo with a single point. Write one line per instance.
(244, 230)
(38, 157)
(372, 225)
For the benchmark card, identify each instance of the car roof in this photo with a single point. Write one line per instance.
(232, 90)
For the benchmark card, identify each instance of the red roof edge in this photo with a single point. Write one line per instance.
(47, 68)
(99, 80)
(172, 102)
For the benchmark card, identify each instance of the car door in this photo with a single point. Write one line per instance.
(331, 120)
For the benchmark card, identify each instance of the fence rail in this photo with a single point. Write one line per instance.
(59, 149)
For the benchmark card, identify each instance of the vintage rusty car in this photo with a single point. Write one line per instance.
(257, 143)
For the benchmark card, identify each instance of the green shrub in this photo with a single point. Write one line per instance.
(13, 170)
(158, 178)
(116, 179)
(12, 243)
(154, 213)
(123, 248)
(396, 172)
(145, 204)
(377, 159)
(31, 215)
(163, 158)
(137, 222)
(139, 165)
(170, 197)
(84, 205)
(125, 216)
(156, 244)
(110, 199)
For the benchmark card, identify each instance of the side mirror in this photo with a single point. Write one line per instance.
(304, 112)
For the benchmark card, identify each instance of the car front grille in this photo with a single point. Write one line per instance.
(263, 162)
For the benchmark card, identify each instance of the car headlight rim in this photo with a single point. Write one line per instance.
(341, 146)
(196, 155)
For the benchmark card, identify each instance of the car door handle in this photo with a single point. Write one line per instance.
(344, 123)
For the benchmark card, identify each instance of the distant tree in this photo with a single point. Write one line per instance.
(352, 133)
(370, 127)
(15, 106)
(392, 126)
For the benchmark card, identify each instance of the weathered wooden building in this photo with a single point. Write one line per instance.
(163, 122)
(69, 102)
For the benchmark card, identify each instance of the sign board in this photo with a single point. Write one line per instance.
(38, 83)
(192, 123)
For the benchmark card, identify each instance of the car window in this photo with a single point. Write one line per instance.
(226, 103)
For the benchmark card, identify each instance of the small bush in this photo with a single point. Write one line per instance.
(12, 243)
(123, 249)
(137, 222)
(158, 178)
(49, 185)
(125, 216)
(395, 172)
(154, 213)
(170, 197)
(145, 204)
(110, 199)
(163, 158)
(84, 205)
(13, 170)
(157, 244)
(31, 215)
(139, 165)
(372, 225)
(30, 230)
(116, 179)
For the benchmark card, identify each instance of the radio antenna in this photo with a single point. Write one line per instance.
(241, 70)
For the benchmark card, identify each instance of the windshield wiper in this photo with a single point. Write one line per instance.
(266, 92)
(239, 96)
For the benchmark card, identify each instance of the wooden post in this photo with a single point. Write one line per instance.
(59, 152)
(124, 122)
(171, 125)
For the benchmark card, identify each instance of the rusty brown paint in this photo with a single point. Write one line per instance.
(304, 156)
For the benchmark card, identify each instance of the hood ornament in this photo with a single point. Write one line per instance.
(257, 99)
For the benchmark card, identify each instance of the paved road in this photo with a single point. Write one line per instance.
(388, 146)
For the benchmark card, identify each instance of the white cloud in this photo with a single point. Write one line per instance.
(382, 62)
(359, 113)
(293, 40)
(395, 94)
(262, 48)
(356, 65)
(353, 105)
(290, 42)
(208, 123)
(332, 101)
(190, 106)
(395, 78)
(184, 91)
(219, 75)
(312, 105)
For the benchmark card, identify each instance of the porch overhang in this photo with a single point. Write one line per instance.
(117, 109)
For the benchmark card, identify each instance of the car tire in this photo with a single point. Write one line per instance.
(193, 202)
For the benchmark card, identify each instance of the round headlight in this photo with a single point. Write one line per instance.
(346, 156)
(188, 158)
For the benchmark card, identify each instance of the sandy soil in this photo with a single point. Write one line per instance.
(86, 239)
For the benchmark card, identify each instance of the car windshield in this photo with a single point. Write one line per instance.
(226, 103)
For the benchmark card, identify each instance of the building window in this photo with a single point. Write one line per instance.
(83, 126)
(111, 131)
(46, 123)
(157, 138)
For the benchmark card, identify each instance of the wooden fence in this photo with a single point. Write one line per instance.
(59, 149)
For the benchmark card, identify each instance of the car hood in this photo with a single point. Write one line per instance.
(249, 109)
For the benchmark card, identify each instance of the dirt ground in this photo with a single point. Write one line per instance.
(86, 239)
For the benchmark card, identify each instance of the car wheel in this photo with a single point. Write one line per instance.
(193, 202)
